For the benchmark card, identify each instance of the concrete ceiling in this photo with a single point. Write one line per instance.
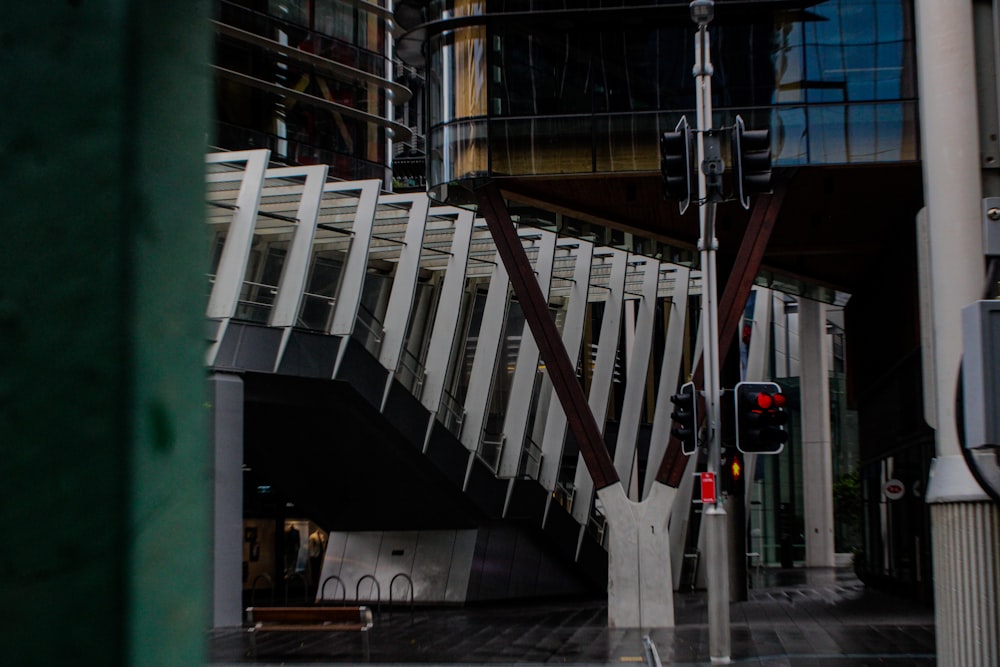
(834, 224)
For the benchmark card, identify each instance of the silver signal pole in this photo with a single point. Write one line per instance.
(714, 516)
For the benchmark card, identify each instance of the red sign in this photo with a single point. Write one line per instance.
(893, 489)
(708, 488)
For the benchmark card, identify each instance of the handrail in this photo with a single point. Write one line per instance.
(374, 326)
(331, 300)
(409, 581)
(343, 588)
(451, 413)
(530, 465)
(253, 586)
(490, 448)
(564, 496)
(597, 523)
(378, 591)
(309, 297)
(409, 363)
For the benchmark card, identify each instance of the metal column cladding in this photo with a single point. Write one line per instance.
(536, 312)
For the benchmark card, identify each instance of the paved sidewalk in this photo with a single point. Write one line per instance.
(798, 618)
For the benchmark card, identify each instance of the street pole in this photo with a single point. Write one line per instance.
(714, 516)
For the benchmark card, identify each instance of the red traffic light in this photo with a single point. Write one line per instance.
(767, 401)
(760, 417)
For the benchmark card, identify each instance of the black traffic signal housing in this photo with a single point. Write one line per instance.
(760, 418)
(685, 416)
(751, 156)
(677, 164)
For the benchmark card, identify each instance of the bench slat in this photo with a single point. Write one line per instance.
(296, 627)
(309, 619)
(311, 615)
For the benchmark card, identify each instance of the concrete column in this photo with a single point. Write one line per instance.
(484, 363)
(226, 397)
(404, 283)
(953, 275)
(445, 326)
(604, 369)
(640, 583)
(554, 435)
(102, 424)
(635, 378)
(355, 269)
(817, 456)
(239, 237)
(526, 370)
(670, 368)
(294, 275)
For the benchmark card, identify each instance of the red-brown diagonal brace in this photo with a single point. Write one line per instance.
(734, 299)
(535, 305)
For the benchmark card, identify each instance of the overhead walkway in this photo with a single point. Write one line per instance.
(407, 304)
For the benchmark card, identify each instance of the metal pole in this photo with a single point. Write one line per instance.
(715, 514)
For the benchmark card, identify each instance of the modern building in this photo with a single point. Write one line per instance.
(560, 108)
(557, 105)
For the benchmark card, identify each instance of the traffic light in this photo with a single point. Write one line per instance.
(751, 153)
(732, 472)
(676, 162)
(685, 416)
(760, 418)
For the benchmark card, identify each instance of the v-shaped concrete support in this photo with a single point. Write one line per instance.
(640, 581)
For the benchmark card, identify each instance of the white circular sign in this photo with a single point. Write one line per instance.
(893, 489)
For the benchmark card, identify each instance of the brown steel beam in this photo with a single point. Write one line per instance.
(734, 299)
(561, 371)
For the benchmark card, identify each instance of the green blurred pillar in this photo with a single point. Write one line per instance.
(104, 513)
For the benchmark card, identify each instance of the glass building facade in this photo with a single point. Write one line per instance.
(311, 80)
(529, 88)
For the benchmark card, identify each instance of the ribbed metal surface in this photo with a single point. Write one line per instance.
(967, 583)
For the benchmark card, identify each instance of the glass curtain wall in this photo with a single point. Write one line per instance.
(530, 96)
(251, 111)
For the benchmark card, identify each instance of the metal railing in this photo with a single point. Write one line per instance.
(375, 586)
(530, 465)
(563, 494)
(597, 522)
(490, 448)
(411, 373)
(451, 413)
(368, 330)
(255, 302)
(315, 311)
(343, 588)
(409, 588)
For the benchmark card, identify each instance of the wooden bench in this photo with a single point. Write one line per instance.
(309, 619)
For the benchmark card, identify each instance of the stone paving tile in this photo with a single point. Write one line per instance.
(832, 620)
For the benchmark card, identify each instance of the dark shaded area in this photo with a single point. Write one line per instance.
(321, 446)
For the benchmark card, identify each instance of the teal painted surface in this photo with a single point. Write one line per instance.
(102, 417)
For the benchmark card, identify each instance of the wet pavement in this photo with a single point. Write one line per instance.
(814, 617)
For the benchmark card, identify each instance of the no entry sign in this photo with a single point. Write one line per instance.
(708, 488)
